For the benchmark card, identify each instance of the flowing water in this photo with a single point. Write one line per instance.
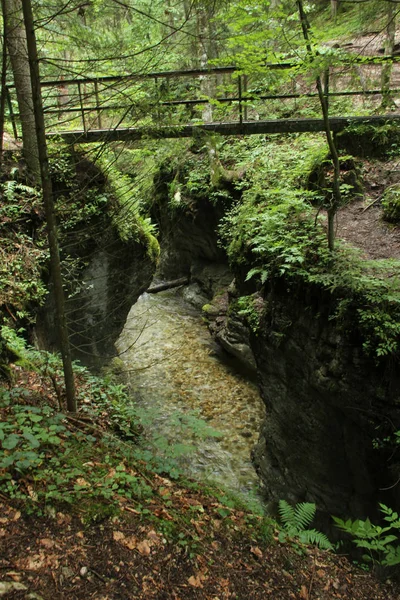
(175, 372)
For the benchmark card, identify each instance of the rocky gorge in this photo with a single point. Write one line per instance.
(329, 406)
(330, 409)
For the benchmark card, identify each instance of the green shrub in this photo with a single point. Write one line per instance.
(382, 544)
(391, 204)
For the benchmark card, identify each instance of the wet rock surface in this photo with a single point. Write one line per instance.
(326, 404)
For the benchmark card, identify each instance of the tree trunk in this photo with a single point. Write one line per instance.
(17, 49)
(36, 97)
(336, 194)
(3, 84)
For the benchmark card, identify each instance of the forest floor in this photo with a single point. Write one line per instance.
(128, 557)
(179, 542)
(360, 222)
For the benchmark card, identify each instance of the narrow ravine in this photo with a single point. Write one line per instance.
(174, 368)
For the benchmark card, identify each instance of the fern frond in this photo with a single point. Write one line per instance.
(304, 514)
(286, 513)
(312, 536)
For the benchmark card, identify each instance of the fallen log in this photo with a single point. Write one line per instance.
(167, 285)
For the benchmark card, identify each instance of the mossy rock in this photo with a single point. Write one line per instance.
(391, 204)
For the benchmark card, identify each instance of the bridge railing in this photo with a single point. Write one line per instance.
(175, 98)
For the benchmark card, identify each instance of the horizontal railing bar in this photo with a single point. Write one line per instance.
(357, 60)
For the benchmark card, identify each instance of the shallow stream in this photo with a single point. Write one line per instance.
(175, 373)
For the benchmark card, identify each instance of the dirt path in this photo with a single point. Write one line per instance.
(360, 223)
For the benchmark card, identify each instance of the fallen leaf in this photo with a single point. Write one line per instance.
(47, 542)
(14, 575)
(144, 547)
(130, 542)
(118, 536)
(153, 537)
(195, 581)
(304, 593)
(256, 551)
(81, 482)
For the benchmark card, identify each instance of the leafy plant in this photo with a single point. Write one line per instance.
(382, 544)
(391, 204)
(296, 519)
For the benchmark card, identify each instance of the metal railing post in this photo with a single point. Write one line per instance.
(240, 99)
(245, 92)
(326, 87)
(96, 93)
(81, 107)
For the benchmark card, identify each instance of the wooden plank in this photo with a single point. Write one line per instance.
(245, 128)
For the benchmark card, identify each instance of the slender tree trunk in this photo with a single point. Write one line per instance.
(49, 205)
(387, 100)
(17, 50)
(3, 83)
(336, 195)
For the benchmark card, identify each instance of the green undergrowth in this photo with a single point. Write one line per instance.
(94, 465)
(23, 248)
(37, 439)
(277, 231)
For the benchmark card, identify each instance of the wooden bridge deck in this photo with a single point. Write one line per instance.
(244, 128)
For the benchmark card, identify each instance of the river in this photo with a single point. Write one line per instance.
(180, 382)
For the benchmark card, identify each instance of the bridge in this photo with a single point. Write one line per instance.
(223, 100)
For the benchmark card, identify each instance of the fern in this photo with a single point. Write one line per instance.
(316, 538)
(11, 188)
(296, 519)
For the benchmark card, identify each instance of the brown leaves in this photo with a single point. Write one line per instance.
(197, 580)
(304, 595)
(144, 546)
(256, 551)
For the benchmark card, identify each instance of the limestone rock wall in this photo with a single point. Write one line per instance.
(326, 406)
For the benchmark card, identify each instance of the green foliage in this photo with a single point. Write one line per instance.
(391, 204)
(371, 140)
(382, 544)
(128, 209)
(22, 258)
(44, 461)
(275, 230)
(295, 521)
(68, 465)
